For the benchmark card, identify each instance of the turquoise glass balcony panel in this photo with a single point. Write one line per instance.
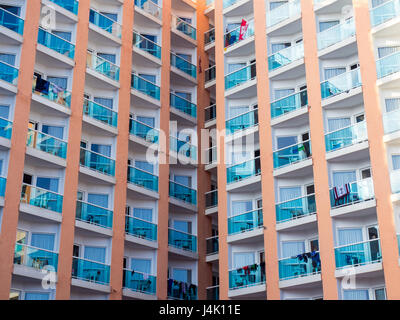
(143, 179)
(395, 181)
(183, 65)
(5, 128)
(228, 3)
(240, 76)
(285, 56)
(150, 7)
(295, 267)
(41, 198)
(46, 143)
(145, 86)
(246, 277)
(105, 23)
(346, 136)
(183, 105)
(354, 192)
(183, 148)
(241, 122)
(140, 228)
(358, 254)
(209, 2)
(102, 66)
(385, 12)
(391, 121)
(292, 154)
(93, 214)
(288, 104)
(98, 162)
(341, 83)
(283, 12)
(388, 65)
(243, 170)
(35, 257)
(233, 36)
(139, 282)
(100, 113)
(182, 193)
(56, 43)
(295, 208)
(175, 290)
(54, 94)
(146, 45)
(143, 131)
(8, 73)
(3, 182)
(336, 34)
(11, 21)
(182, 240)
(245, 222)
(90, 271)
(70, 5)
(184, 27)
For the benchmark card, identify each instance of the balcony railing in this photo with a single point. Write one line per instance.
(8, 73)
(146, 45)
(11, 21)
(358, 254)
(3, 182)
(388, 65)
(102, 66)
(342, 83)
(351, 193)
(44, 142)
(5, 128)
(288, 104)
(385, 12)
(183, 105)
(184, 27)
(212, 245)
(56, 43)
(302, 265)
(211, 155)
(210, 112)
(211, 198)
(183, 65)
(145, 86)
(240, 76)
(183, 148)
(283, 12)
(140, 228)
(209, 36)
(35, 257)
(182, 193)
(243, 170)
(292, 154)
(242, 122)
(142, 178)
(143, 131)
(91, 271)
(176, 291)
(94, 214)
(336, 34)
(285, 56)
(150, 7)
(99, 112)
(213, 293)
(53, 93)
(105, 23)
(228, 3)
(245, 222)
(70, 5)
(139, 282)
(97, 162)
(391, 121)
(233, 37)
(182, 240)
(247, 276)
(395, 181)
(41, 198)
(210, 74)
(345, 137)
(295, 208)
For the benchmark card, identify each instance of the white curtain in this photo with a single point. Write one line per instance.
(396, 161)
(323, 25)
(235, 66)
(288, 193)
(239, 207)
(340, 178)
(58, 81)
(292, 248)
(43, 241)
(361, 294)
(338, 123)
(392, 104)
(243, 259)
(143, 213)
(8, 58)
(107, 102)
(333, 72)
(350, 236)
(97, 254)
(385, 51)
(98, 199)
(281, 93)
(235, 111)
(141, 265)
(376, 3)
(275, 47)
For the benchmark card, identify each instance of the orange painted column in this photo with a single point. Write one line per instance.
(378, 155)
(63, 289)
(321, 180)
(267, 165)
(18, 146)
(121, 168)
(163, 179)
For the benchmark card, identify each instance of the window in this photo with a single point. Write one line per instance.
(184, 180)
(13, 9)
(97, 254)
(281, 93)
(145, 166)
(380, 294)
(243, 259)
(141, 265)
(355, 294)
(63, 34)
(112, 16)
(143, 213)
(292, 248)
(338, 123)
(237, 110)
(8, 58)
(239, 207)
(350, 236)
(59, 81)
(283, 142)
(150, 121)
(392, 104)
(50, 184)
(183, 275)
(289, 193)
(149, 77)
(184, 56)
(232, 67)
(43, 241)
(108, 56)
(385, 51)
(4, 111)
(97, 199)
(276, 4)
(333, 72)
(102, 149)
(396, 161)
(53, 131)
(107, 102)
(37, 296)
(324, 25)
(275, 47)
(184, 226)
(341, 178)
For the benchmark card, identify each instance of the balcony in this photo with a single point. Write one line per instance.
(242, 122)
(70, 5)
(210, 113)
(244, 170)
(182, 240)
(140, 228)
(296, 267)
(211, 156)
(240, 76)
(184, 27)
(175, 290)
(233, 37)
(295, 209)
(91, 271)
(245, 222)
(391, 121)
(212, 245)
(150, 7)
(346, 137)
(144, 86)
(183, 105)
(102, 66)
(94, 214)
(100, 113)
(41, 198)
(139, 282)
(5, 128)
(33, 257)
(388, 65)
(43, 142)
(8, 73)
(228, 3)
(247, 276)
(183, 65)
(336, 34)
(142, 178)
(209, 37)
(341, 83)
(53, 93)
(56, 43)
(283, 12)
(285, 56)
(292, 154)
(110, 26)
(385, 12)
(11, 21)
(3, 182)
(352, 193)
(289, 104)
(358, 254)
(213, 293)
(97, 162)
(211, 198)
(183, 193)
(183, 148)
(143, 131)
(394, 179)
(210, 75)
(146, 45)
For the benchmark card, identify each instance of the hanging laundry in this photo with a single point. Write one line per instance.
(341, 191)
(243, 29)
(42, 85)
